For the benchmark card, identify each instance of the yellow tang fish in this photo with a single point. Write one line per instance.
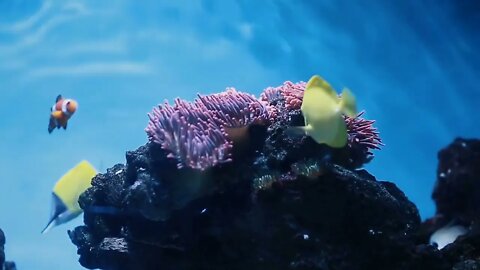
(323, 112)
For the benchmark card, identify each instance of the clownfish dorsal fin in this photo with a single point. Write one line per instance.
(59, 97)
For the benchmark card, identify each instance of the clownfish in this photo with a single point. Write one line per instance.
(61, 111)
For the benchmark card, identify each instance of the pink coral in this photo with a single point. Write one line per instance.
(194, 133)
(271, 94)
(362, 133)
(293, 94)
(188, 132)
(234, 108)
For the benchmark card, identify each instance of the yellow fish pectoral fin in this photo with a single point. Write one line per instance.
(299, 131)
(348, 104)
(332, 133)
(339, 141)
(295, 131)
(318, 82)
(340, 138)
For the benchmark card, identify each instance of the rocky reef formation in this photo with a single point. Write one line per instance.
(457, 191)
(235, 191)
(456, 195)
(330, 220)
(4, 265)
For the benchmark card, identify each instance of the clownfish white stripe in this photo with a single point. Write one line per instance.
(64, 106)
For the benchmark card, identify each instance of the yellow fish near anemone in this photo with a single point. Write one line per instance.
(323, 112)
(66, 193)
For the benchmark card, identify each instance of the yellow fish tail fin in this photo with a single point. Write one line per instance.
(318, 82)
(348, 104)
(49, 226)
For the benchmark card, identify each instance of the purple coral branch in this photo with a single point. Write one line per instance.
(362, 133)
(291, 92)
(271, 94)
(235, 109)
(194, 133)
(186, 130)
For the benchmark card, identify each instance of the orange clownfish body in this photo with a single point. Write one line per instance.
(61, 112)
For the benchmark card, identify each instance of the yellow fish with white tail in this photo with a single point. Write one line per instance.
(66, 192)
(323, 112)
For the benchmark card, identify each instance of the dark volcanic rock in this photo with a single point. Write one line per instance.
(457, 191)
(283, 203)
(456, 196)
(339, 219)
(3, 264)
(467, 265)
(284, 208)
(2, 250)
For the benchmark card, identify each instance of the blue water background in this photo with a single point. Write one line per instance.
(413, 65)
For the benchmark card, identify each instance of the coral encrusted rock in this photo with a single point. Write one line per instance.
(269, 200)
(456, 195)
(340, 219)
(457, 191)
(4, 265)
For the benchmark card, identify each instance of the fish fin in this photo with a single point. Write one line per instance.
(298, 130)
(62, 123)
(348, 103)
(318, 82)
(340, 140)
(59, 97)
(295, 131)
(56, 114)
(57, 208)
(49, 226)
(51, 125)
